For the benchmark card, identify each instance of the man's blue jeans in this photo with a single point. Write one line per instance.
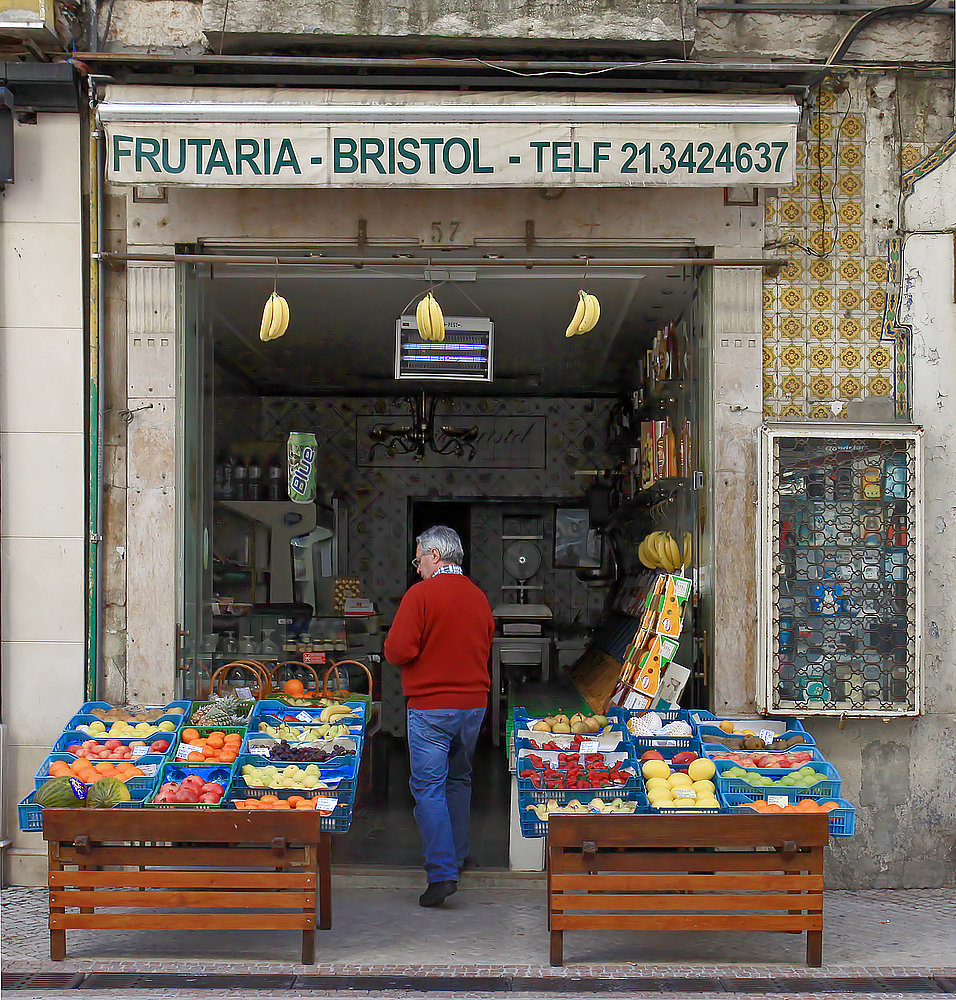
(441, 744)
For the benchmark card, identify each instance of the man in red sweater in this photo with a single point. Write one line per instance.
(441, 638)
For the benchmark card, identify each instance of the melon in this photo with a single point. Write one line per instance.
(61, 793)
(106, 793)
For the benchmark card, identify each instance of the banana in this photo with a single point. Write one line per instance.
(437, 319)
(659, 547)
(276, 317)
(645, 557)
(592, 313)
(688, 548)
(673, 554)
(577, 318)
(284, 321)
(423, 318)
(268, 313)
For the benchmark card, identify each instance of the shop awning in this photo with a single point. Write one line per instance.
(337, 138)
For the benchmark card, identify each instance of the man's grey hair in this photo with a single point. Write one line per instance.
(445, 540)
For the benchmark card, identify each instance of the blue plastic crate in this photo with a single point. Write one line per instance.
(526, 743)
(816, 757)
(793, 728)
(338, 821)
(842, 820)
(527, 785)
(144, 783)
(343, 777)
(532, 826)
(86, 720)
(172, 771)
(271, 707)
(669, 753)
(827, 787)
(30, 813)
(87, 707)
(340, 760)
(72, 736)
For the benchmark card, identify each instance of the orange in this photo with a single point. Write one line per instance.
(195, 758)
(269, 798)
(228, 758)
(306, 804)
(294, 687)
(189, 735)
(280, 804)
(294, 800)
(215, 742)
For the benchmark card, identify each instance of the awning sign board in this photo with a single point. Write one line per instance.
(450, 155)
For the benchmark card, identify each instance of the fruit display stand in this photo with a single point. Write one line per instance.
(701, 872)
(226, 866)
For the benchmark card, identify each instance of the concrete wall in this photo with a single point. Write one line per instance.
(42, 454)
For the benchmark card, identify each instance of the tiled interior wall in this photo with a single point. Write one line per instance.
(378, 497)
(830, 333)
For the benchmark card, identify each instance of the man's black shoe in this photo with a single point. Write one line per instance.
(468, 863)
(437, 893)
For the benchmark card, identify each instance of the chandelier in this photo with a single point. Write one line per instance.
(422, 435)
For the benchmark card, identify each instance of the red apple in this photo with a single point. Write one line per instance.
(683, 758)
(652, 755)
(160, 746)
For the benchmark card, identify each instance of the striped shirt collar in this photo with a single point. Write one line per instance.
(448, 569)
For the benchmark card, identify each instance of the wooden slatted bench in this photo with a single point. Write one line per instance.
(703, 872)
(197, 860)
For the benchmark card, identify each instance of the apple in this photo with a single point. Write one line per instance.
(214, 786)
(651, 755)
(160, 746)
(683, 758)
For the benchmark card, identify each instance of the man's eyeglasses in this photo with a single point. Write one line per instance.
(416, 562)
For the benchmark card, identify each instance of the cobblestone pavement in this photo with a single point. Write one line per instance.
(495, 932)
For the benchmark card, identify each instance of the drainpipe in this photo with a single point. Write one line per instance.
(94, 628)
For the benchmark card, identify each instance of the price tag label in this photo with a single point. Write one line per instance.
(778, 800)
(325, 803)
(767, 735)
(259, 748)
(305, 717)
(244, 694)
(136, 752)
(589, 746)
(684, 793)
(185, 749)
(149, 770)
(314, 659)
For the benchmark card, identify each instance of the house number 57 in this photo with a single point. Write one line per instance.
(444, 232)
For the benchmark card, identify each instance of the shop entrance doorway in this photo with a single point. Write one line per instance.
(560, 414)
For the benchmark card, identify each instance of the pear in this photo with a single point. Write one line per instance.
(543, 726)
(560, 727)
(563, 719)
(577, 717)
(580, 726)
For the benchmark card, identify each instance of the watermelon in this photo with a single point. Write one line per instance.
(106, 793)
(61, 793)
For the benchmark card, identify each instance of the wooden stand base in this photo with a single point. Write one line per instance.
(291, 852)
(687, 873)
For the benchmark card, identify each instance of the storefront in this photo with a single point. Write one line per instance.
(353, 204)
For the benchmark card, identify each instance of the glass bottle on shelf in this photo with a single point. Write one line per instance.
(254, 480)
(274, 480)
(240, 480)
(224, 477)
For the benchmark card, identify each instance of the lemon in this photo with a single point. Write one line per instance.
(655, 769)
(686, 804)
(705, 803)
(656, 783)
(96, 729)
(701, 769)
(705, 789)
(680, 780)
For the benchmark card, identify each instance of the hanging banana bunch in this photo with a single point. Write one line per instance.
(431, 322)
(275, 318)
(659, 550)
(586, 315)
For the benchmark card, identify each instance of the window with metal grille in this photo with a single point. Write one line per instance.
(841, 568)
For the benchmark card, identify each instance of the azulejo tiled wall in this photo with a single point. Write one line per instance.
(829, 336)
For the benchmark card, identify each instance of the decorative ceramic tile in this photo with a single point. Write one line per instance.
(880, 386)
(850, 387)
(850, 357)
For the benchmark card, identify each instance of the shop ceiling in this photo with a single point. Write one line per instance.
(341, 338)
